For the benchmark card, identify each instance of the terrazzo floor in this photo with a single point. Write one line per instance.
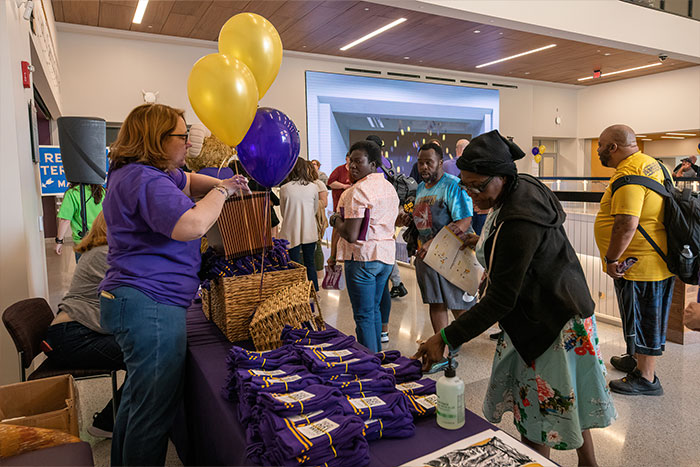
(649, 431)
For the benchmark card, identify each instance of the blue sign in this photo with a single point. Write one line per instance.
(53, 178)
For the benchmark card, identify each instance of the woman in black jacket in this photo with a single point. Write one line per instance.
(547, 369)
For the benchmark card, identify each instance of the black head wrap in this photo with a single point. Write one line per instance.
(491, 154)
(376, 139)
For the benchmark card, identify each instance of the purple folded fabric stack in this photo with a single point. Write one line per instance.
(421, 387)
(335, 343)
(307, 427)
(393, 419)
(240, 358)
(404, 369)
(376, 382)
(388, 356)
(290, 335)
(238, 377)
(356, 363)
(422, 405)
(277, 384)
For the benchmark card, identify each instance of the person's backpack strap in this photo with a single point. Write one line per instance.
(83, 214)
(654, 186)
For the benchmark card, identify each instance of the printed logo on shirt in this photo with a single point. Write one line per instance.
(650, 169)
(336, 353)
(390, 365)
(268, 373)
(319, 428)
(293, 397)
(428, 402)
(366, 402)
(408, 386)
(298, 418)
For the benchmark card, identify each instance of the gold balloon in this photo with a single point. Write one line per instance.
(253, 40)
(224, 96)
(538, 158)
(543, 148)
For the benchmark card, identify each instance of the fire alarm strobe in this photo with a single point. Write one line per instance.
(596, 73)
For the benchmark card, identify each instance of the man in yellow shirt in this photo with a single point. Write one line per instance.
(644, 291)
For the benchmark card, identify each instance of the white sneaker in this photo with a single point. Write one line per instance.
(385, 337)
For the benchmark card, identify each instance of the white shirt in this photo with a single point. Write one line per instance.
(298, 204)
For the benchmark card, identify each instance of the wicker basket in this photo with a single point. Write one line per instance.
(206, 302)
(291, 306)
(234, 299)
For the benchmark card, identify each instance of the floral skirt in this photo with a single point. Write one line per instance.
(563, 393)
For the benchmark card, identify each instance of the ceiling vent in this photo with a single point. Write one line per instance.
(360, 70)
(437, 78)
(498, 85)
(402, 75)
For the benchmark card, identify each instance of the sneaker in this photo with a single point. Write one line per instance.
(440, 366)
(385, 337)
(624, 362)
(398, 291)
(635, 385)
(496, 335)
(101, 427)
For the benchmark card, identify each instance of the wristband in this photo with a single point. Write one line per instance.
(610, 261)
(59, 241)
(444, 339)
(221, 189)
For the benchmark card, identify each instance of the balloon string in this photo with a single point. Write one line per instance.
(264, 234)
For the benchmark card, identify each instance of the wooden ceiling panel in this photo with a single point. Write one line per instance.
(116, 14)
(155, 17)
(81, 12)
(430, 41)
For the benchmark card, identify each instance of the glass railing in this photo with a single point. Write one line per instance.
(686, 8)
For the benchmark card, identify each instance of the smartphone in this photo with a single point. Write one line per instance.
(626, 264)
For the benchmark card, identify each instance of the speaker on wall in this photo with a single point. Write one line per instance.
(83, 149)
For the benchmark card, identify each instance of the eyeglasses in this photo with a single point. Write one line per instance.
(478, 189)
(184, 136)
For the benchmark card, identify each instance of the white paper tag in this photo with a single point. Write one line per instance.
(371, 421)
(336, 353)
(366, 402)
(352, 360)
(318, 346)
(428, 401)
(293, 397)
(268, 373)
(298, 418)
(390, 365)
(408, 386)
(287, 379)
(319, 428)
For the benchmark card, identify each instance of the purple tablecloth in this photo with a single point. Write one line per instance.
(207, 430)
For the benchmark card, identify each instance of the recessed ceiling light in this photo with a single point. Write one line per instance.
(374, 33)
(641, 136)
(366, 9)
(517, 55)
(527, 72)
(500, 33)
(672, 137)
(406, 58)
(607, 54)
(476, 31)
(371, 123)
(647, 139)
(682, 134)
(603, 75)
(140, 10)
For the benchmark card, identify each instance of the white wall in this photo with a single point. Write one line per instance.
(104, 71)
(662, 102)
(23, 261)
(673, 147)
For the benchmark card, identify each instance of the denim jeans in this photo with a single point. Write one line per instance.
(153, 338)
(385, 305)
(366, 282)
(309, 251)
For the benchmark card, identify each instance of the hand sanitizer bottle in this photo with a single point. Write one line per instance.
(450, 399)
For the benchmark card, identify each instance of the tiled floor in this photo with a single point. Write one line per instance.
(649, 431)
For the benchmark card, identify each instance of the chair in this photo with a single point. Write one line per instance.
(27, 322)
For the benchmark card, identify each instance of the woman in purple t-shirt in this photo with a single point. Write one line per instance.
(153, 236)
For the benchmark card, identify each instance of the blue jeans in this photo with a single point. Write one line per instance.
(153, 338)
(366, 282)
(385, 304)
(308, 250)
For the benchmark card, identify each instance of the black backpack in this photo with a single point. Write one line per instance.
(405, 187)
(681, 220)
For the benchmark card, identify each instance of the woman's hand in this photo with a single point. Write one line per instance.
(237, 184)
(470, 241)
(691, 316)
(403, 219)
(430, 351)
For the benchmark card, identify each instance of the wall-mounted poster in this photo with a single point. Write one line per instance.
(486, 449)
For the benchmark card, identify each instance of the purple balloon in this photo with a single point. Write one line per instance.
(535, 151)
(270, 148)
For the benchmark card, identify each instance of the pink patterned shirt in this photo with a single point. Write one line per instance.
(375, 201)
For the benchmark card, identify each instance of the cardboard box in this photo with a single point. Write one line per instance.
(44, 403)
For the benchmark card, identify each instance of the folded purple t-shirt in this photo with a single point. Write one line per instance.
(422, 405)
(310, 399)
(404, 369)
(240, 358)
(290, 334)
(142, 204)
(376, 382)
(421, 387)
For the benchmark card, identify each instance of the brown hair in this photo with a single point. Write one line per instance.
(302, 172)
(97, 190)
(142, 136)
(97, 236)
